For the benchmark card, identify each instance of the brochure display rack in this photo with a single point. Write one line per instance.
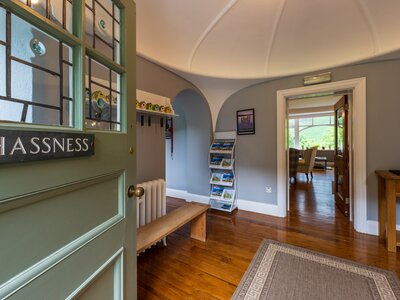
(222, 167)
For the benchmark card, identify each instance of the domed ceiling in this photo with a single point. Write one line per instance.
(254, 39)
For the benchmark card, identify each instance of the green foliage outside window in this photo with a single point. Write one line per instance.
(318, 131)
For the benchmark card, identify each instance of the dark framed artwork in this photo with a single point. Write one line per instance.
(245, 121)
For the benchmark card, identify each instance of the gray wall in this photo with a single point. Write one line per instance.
(256, 154)
(150, 141)
(176, 164)
(193, 133)
(155, 79)
(150, 149)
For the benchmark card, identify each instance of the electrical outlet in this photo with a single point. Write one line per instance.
(268, 189)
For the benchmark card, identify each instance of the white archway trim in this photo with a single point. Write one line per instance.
(359, 118)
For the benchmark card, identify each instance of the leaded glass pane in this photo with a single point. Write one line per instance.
(23, 35)
(42, 115)
(2, 25)
(35, 76)
(103, 27)
(39, 86)
(67, 112)
(10, 111)
(2, 70)
(103, 97)
(58, 11)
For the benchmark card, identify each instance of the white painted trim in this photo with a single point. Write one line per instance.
(188, 197)
(358, 86)
(181, 194)
(373, 227)
(115, 258)
(197, 198)
(261, 208)
(247, 205)
(25, 277)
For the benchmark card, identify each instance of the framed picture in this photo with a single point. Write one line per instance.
(245, 121)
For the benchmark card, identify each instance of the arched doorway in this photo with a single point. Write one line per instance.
(187, 171)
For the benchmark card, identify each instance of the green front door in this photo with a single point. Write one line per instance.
(67, 226)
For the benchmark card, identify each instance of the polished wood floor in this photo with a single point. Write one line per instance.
(188, 269)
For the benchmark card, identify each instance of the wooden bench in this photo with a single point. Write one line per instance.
(191, 212)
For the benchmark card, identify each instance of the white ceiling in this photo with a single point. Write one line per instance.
(222, 46)
(252, 39)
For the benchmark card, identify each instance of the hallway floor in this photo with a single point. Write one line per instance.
(188, 269)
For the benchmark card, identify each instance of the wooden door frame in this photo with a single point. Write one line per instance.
(358, 117)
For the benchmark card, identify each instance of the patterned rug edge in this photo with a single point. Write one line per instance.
(391, 276)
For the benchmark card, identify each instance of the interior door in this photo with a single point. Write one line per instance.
(67, 226)
(342, 156)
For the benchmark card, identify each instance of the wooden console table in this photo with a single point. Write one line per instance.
(388, 191)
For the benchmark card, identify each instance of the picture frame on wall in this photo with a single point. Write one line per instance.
(245, 121)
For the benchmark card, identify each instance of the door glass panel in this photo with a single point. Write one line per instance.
(58, 11)
(10, 111)
(103, 27)
(42, 115)
(23, 36)
(67, 112)
(102, 97)
(340, 131)
(39, 76)
(43, 88)
(2, 25)
(2, 71)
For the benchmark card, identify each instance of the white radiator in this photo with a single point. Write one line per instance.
(152, 205)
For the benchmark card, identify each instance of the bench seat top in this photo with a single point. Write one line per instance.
(161, 227)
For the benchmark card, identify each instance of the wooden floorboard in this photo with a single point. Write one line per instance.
(189, 269)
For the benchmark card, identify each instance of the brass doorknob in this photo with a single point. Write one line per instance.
(135, 191)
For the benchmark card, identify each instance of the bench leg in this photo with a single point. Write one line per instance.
(198, 228)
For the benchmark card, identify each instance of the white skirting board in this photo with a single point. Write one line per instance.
(257, 207)
(373, 227)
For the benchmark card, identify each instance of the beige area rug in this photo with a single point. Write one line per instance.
(281, 271)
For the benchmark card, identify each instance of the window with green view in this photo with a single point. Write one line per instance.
(312, 131)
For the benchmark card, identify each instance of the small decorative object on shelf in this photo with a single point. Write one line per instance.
(152, 104)
(149, 106)
(222, 165)
(168, 109)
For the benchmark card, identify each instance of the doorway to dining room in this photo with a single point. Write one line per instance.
(319, 163)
